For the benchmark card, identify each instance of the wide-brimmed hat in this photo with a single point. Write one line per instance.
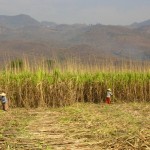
(2, 94)
(109, 89)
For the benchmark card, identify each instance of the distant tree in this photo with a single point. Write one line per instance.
(16, 64)
(50, 63)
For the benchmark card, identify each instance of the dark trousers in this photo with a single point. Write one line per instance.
(5, 106)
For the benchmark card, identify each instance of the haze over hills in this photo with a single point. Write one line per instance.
(141, 24)
(23, 34)
(18, 21)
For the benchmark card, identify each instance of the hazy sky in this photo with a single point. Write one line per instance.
(80, 11)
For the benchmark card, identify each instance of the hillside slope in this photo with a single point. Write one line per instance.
(23, 34)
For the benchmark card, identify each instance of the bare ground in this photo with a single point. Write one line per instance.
(78, 127)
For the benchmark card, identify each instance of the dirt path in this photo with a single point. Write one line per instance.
(52, 134)
(83, 127)
(48, 131)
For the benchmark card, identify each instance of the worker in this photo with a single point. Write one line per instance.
(108, 96)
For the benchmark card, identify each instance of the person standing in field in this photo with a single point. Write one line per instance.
(4, 101)
(108, 96)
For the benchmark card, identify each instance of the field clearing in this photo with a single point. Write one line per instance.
(81, 126)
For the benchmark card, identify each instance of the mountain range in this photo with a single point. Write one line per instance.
(23, 34)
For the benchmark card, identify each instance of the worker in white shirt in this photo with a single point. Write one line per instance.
(108, 96)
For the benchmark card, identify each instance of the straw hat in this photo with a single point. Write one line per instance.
(2, 94)
(108, 89)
